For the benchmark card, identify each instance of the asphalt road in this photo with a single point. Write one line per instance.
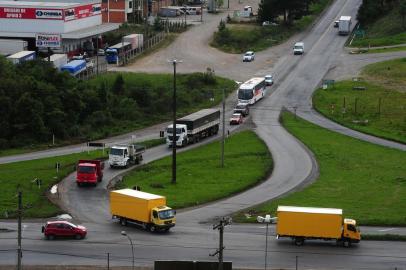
(193, 238)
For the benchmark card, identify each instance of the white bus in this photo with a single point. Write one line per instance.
(252, 90)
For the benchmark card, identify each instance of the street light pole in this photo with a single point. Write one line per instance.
(132, 246)
(267, 219)
(174, 62)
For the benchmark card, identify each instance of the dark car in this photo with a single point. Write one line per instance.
(53, 229)
(242, 108)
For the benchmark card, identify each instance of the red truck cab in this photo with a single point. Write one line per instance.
(89, 172)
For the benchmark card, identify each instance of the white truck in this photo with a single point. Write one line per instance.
(12, 46)
(122, 155)
(193, 127)
(298, 48)
(22, 56)
(58, 60)
(344, 25)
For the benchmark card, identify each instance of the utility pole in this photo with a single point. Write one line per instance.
(222, 223)
(19, 251)
(224, 131)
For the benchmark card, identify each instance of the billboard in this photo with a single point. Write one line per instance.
(42, 13)
(48, 40)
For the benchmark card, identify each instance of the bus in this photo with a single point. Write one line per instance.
(252, 90)
(114, 52)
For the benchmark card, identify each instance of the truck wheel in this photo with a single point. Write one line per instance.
(299, 241)
(152, 228)
(346, 243)
(123, 222)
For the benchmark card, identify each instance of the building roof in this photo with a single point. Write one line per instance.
(79, 34)
(313, 210)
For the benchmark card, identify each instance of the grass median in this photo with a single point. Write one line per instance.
(378, 107)
(367, 181)
(200, 178)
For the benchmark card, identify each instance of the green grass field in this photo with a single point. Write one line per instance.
(20, 176)
(251, 36)
(200, 178)
(379, 110)
(367, 181)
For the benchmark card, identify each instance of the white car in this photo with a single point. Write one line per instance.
(268, 79)
(248, 56)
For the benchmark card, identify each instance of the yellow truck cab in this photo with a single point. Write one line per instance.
(351, 231)
(143, 209)
(306, 223)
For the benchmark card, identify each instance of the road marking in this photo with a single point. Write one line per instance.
(386, 230)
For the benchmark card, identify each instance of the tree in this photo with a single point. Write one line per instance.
(118, 85)
(402, 11)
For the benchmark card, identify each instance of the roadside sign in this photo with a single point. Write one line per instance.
(48, 40)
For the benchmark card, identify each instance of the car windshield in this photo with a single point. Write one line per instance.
(236, 115)
(166, 214)
(116, 152)
(298, 47)
(248, 54)
(178, 130)
(86, 169)
(240, 107)
(268, 77)
(245, 94)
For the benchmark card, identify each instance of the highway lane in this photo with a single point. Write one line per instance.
(245, 246)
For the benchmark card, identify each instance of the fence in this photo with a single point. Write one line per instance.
(149, 43)
(89, 73)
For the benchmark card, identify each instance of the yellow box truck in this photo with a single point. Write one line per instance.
(300, 223)
(144, 209)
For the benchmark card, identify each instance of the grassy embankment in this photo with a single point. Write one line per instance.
(379, 110)
(20, 176)
(251, 36)
(200, 178)
(367, 181)
(387, 30)
(153, 96)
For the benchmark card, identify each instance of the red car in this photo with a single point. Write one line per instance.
(236, 119)
(54, 229)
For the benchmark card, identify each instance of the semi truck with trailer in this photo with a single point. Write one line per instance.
(193, 127)
(344, 25)
(89, 172)
(74, 67)
(122, 155)
(22, 56)
(136, 40)
(303, 223)
(114, 52)
(12, 46)
(146, 210)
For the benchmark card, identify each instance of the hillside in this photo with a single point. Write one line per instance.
(387, 29)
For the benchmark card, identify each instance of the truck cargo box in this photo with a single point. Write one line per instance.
(133, 204)
(22, 56)
(309, 222)
(199, 119)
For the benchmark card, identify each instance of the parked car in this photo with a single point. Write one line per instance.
(248, 56)
(268, 23)
(101, 52)
(61, 228)
(268, 79)
(236, 119)
(336, 24)
(242, 108)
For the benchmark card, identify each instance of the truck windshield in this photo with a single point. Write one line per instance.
(116, 152)
(178, 130)
(86, 169)
(245, 94)
(110, 52)
(166, 214)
